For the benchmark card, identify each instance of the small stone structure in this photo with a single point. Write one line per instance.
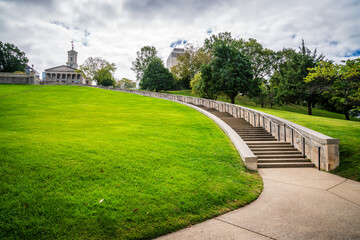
(19, 78)
(322, 150)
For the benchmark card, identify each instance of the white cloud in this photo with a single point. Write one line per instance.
(116, 30)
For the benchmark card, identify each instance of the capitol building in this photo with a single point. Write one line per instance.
(65, 74)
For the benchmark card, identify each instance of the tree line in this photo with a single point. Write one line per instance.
(228, 66)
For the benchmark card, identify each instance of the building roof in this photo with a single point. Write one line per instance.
(61, 68)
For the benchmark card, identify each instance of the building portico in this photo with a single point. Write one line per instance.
(65, 74)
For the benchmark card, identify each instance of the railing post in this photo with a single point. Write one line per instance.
(278, 132)
(263, 122)
(284, 132)
(270, 129)
(292, 136)
(303, 145)
(319, 148)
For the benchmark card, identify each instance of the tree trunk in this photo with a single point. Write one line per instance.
(346, 112)
(232, 99)
(309, 108)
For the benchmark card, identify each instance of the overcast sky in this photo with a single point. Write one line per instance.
(116, 29)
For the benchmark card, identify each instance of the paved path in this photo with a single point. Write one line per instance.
(297, 203)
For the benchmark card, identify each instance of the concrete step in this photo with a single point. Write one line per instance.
(258, 153)
(284, 149)
(252, 132)
(270, 146)
(263, 140)
(255, 135)
(269, 160)
(285, 165)
(267, 143)
(271, 156)
(258, 138)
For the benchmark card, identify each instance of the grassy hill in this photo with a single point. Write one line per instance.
(86, 163)
(328, 123)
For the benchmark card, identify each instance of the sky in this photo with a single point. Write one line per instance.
(116, 29)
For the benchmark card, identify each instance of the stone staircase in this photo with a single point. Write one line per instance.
(270, 152)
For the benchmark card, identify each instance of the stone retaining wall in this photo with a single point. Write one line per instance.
(19, 78)
(322, 150)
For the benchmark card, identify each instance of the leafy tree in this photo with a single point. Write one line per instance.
(340, 83)
(189, 64)
(205, 84)
(156, 77)
(261, 58)
(12, 58)
(143, 59)
(263, 62)
(97, 69)
(232, 71)
(125, 83)
(195, 84)
(289, 78)
(107, 82)
(221, 38)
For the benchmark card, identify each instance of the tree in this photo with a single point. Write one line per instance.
(108, 82)
(12, 58)
(205, 84)
(289, 78)
(97, 69)
(340, 83)
(143, 59)
(125, 83)
(156, 77)
(221, 38)
(263, 62)
(233, 71)
(189, 64)
(261, 58)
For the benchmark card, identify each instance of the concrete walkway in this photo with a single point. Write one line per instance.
(296, 203)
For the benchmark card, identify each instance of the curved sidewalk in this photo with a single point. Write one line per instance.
(297, 203)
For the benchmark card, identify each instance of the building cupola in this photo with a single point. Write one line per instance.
(72, 57)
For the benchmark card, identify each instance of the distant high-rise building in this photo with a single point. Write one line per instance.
(171, 60)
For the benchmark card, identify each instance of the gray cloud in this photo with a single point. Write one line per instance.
(115, 30)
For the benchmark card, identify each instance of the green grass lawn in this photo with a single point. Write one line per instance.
(328, 123)
(87, 163)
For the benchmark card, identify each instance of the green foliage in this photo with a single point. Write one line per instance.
(143, 59)
(207, 86)
(125, 83)
(195, 84)
(232, 72)
(289, 78)
(262, 59)
(159, 166)
(221, 38)
(189, 64)
(340, 83)
(97, 69)
(12, 58)
(156, 77)
(107, 82)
